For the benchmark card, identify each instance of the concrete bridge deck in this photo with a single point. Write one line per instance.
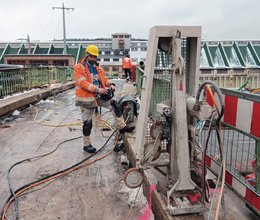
(93, 192)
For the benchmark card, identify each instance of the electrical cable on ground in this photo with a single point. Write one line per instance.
(56, 126)
(58, 174)
(29, 160)
(51, 125)
(20, 191)
(98, 119)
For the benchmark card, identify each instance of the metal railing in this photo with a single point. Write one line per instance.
(227, 79)
(19, 79)
(240, 151)
(139, 80)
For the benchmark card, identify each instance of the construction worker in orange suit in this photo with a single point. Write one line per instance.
(126, 65)
(91, 85)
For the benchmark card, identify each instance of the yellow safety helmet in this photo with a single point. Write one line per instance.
(92, 50)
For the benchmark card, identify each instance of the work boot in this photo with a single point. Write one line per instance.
(126, 129)
(90, 149)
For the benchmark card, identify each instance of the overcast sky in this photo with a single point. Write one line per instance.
(220, 19)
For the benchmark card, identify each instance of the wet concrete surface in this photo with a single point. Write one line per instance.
(92, 192)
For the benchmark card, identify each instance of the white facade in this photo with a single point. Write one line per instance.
(138, 51)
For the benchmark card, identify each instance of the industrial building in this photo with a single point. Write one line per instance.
(239, 56)
(112, 50)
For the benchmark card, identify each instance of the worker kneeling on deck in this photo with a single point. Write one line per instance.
(93, 88)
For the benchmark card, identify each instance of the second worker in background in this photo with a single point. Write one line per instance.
(127, 65)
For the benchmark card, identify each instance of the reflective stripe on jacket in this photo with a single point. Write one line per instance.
(127, 63)
(85, 89)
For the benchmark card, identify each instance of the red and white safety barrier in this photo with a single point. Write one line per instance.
(242, 114)
(248, 195)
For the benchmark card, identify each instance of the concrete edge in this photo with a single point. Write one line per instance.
(158, 204)
(129, 150)
(159, 200)
(17, 103)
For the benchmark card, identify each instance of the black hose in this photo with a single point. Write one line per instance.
(28, 160)
(204, 164)
(211, 124)
(217, 124)
(51, 175)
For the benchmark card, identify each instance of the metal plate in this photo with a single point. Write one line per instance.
(133, 178)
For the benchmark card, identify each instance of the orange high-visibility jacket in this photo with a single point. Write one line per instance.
(127, 63)
(85, 89)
